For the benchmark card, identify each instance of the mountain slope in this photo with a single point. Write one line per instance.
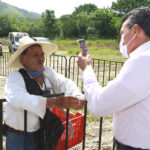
(12, 10)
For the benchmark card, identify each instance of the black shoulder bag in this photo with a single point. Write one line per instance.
(51, 127)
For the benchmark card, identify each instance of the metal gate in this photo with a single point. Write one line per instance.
(105, 70)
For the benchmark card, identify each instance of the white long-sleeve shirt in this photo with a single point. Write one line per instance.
(127, 97)
(19, 99)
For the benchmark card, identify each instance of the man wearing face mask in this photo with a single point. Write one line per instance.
(127, 97)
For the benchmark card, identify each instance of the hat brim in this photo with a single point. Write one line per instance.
(14, 61)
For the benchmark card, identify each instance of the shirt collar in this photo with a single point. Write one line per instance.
(142, 48)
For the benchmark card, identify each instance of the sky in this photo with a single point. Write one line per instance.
(60, 7)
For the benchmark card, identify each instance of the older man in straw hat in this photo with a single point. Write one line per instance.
(30, 56)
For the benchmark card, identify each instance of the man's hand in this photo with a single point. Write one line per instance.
(83, 61)
(65, 102)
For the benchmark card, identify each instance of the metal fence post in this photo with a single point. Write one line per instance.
(1, 121)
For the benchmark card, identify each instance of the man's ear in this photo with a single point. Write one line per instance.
(22, 59)
(137, 29)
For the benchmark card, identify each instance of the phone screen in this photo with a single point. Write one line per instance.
(83, 45)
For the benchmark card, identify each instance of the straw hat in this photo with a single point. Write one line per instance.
(25, 42)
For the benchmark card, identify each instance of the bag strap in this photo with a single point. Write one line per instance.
(31, 84)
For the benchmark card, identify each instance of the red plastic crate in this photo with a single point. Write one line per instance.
(77, 121)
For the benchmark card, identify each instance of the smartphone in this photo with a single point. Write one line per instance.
(83, 45)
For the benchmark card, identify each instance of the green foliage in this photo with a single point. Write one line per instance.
(49, 24)
(124, 6)
(19, 23)
(85, 9)
(5, 25)
(35, 29)
(82, 24)
(68, 26)
(101, 23)
(87, 21)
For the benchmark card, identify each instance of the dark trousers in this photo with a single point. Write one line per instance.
(15, 141)
(120, 146)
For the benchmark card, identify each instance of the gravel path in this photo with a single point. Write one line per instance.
(92, 136)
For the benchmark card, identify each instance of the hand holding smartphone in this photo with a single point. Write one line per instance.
(83, 46)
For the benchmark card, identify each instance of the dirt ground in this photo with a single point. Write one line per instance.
(92, 129)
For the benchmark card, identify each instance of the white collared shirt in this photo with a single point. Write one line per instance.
(127, 97)
(19, 99)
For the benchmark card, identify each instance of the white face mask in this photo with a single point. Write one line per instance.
(123, 48)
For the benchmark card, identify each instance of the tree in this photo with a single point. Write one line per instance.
(19, 23)
(81, 14)
(5, 25)
(85, 9)
(101, 24)
(82, 24)
(124, 6)
(49, 24)
(68, 26)
(35, 29)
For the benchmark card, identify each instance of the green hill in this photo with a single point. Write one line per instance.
(12, 10)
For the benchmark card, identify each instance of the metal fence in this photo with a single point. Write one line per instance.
(105, 70)
(3, 64)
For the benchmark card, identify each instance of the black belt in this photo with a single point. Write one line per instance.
(125, 147)
(13, 130)
(8, 128)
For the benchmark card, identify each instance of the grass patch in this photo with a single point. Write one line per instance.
(3, 38)
(103, 49)
(90, 117)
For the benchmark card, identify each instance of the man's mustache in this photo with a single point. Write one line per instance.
(39, 62)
